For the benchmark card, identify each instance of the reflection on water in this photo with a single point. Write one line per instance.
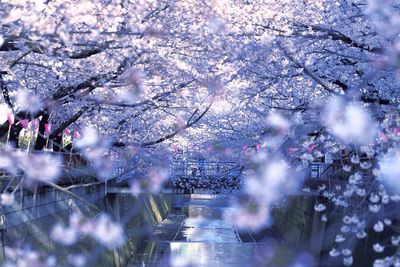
(199, 237)
(211, 254)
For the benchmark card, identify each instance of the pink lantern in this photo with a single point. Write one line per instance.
(77, 135)
(25, 123)
(67, 132)
(258, 148)
(10, 118)
(47, 128)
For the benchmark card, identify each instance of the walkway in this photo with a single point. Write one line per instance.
(196, 235)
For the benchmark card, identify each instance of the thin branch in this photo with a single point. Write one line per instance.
(186, 126)
(306, 70)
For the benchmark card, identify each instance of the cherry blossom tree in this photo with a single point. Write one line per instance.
(273, 85)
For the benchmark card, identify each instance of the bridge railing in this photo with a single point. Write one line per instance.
(203, 168)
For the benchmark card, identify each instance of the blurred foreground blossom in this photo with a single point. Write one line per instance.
(8, 162)
(278, 127)
(248, 212)
(349, 121)
(28, 102)
(389, 169)
(265, 186)
(4, 112)
(108, 233)
(64, 235)
(77, 260)
(271, 180)
(95, 149)
(152, 183)
(7, 199)
(40, 167)
(88, 139)
(23, 257)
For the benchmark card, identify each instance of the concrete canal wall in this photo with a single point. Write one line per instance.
(31, 219)
(301, 227)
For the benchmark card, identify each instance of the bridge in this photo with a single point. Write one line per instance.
(215, 175)
(185, 176)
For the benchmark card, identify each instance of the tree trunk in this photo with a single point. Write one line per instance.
(14, 135)
(57, 143)
(41, 139)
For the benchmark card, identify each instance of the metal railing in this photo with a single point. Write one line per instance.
(194, 169)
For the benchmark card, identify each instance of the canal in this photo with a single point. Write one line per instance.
(195, 234)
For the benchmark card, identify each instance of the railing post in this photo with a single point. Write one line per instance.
(2, 232)
(105, 187)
